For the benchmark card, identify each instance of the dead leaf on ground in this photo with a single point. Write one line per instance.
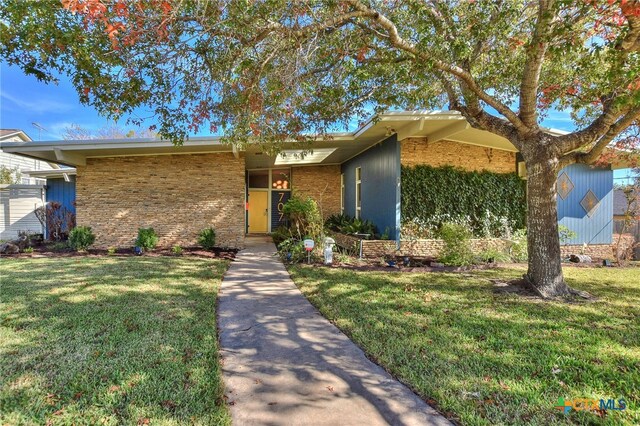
(143, 421)
(167, 404)
(330, 388)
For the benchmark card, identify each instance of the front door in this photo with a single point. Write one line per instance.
(258, 212)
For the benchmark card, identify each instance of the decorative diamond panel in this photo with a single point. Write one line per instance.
(565, 186)
(590, 203)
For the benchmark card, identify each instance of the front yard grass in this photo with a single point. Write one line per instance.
(486, 358)
(110, 341)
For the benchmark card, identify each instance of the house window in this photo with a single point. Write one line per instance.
(342, 193)
(358, 191)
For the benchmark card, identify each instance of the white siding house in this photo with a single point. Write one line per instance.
(17, 205)
(18, 201)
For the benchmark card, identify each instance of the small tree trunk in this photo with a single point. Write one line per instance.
(545, 268)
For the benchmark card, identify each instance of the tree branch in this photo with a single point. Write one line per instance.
(397, 41)
(536, 51)
(599, 126)
(614, 130)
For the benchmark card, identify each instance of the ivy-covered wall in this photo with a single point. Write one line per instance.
(486, 200)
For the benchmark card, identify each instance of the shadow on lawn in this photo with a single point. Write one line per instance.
(506, 358)
(121, 340)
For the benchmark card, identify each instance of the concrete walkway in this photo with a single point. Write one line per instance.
(285, 364)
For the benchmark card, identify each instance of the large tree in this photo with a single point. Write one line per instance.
(270, 71)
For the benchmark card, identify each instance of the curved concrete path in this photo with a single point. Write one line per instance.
(285, 364)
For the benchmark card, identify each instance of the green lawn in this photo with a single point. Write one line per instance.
(110, 341)
(486, 358)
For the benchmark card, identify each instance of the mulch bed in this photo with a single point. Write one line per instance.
(47, 250)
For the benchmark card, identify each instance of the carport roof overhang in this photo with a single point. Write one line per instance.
(434, 125)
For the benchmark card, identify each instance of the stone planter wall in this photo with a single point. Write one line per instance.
(432, 247)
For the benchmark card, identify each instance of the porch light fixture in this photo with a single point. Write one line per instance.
(299, 156)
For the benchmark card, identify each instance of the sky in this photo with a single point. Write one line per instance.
(24, 101)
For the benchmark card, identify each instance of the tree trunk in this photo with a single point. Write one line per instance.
(545, 268)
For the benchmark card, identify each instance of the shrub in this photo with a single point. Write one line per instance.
(336, 222)
(457, 244)
(349, 225)
(518, 248)
(492, 254)
(28, 250)
(177, 250)
(304, 217)
(147, 238)
(565, 234)
(81, 237)
(207, 238)
(280, 234)
(111, 251)
(292, 250)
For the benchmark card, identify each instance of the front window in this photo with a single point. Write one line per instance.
(259, 179)
(358, 191)
(281, 179)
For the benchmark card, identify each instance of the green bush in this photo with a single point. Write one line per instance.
(518, 248)
(177, 250)
(292, 250)
(111, 251)
(457, 244)
(207, 238)
(346, 224)
(304, 217)
(494, 255)
(280, 234)
(81, 237)
(565, 234)
(432, 196)
(147, 238)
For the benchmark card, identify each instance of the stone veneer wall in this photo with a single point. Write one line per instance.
(422, 248)
(432, 247)
(322, 183)
(600, 251)
(419, 151)
(177, 195)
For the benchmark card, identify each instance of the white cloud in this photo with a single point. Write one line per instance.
(37, 105)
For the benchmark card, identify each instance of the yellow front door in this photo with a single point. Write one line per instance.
(258, 211)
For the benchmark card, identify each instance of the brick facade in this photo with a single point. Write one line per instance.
(418, 151)
(177, 195)
(322, 183)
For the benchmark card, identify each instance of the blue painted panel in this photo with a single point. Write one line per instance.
(278, 199)
(62, 192)
(598, 228)
(380, 166)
